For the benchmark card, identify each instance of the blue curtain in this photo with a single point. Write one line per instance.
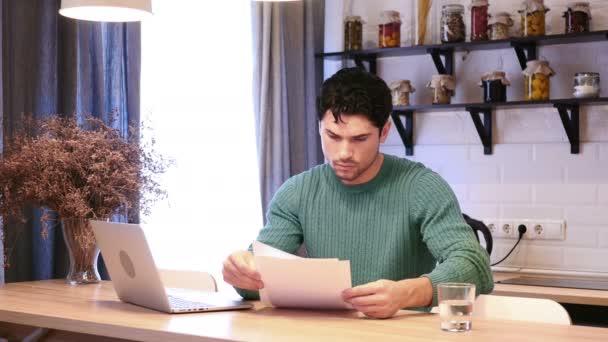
(56, 65)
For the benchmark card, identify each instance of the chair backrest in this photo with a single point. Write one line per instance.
(521, 309)
(479, 226)
(188, 280)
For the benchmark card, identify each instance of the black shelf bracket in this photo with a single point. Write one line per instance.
(569, 113)
(405, 132)
(443, 67)
(484, 129)
(526, 51)
(371, 62)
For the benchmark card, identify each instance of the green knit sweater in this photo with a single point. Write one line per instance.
(404, 223)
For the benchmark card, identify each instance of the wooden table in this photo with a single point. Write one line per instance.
(94, 309)
(562, 295)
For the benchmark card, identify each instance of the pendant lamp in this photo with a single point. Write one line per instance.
(106, 10)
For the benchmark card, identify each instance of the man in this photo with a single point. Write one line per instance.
(397, 222)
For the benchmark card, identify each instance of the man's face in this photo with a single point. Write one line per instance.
(351, 146)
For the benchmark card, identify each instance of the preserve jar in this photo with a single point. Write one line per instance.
(578, 17)
(537, 80)
(401, 91)
(586, 85)
(443, 88)
(452, 23)
(494, 86)
(389, 30)
(479, 20)
(533, 18)
(353, 33)
(500, 25)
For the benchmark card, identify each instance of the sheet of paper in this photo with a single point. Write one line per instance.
(304, 282)
(262, 249)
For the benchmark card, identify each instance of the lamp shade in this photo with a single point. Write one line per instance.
(106, 10)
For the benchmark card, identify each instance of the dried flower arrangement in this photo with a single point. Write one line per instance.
(80, 171)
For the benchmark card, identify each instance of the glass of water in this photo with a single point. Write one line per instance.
(456, 305)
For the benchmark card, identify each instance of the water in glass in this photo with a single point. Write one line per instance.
(456, 314)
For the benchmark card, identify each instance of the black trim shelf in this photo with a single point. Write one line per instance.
(525, 49)
(568, 110)
(584, 37)
(520, 104)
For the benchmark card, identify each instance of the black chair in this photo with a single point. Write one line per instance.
(479, 226)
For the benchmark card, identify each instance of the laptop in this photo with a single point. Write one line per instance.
(137, 280)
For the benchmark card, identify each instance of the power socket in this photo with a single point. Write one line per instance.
(501, 229)
(544, 229)
(535, 229)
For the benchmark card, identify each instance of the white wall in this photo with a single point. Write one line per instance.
(531, 173)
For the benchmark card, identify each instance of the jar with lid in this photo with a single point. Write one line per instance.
(389, 30)
(443, 88)
(537, 80)
(494, 86)
(353, 33)
(452, 23)
(401, 91)
(533, 18)
(578, 17)
(500, 24)
(479, 20)
(586, 85)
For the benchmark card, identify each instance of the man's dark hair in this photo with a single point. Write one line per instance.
(356, 91)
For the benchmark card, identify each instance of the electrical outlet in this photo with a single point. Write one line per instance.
(544, 229)
(501, 229)
(535, 229)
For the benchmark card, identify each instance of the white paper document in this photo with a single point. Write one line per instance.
(292, 281)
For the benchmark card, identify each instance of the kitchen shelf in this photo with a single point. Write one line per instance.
(568, 110)
(510, 104)
(557, 39)
(526, 49)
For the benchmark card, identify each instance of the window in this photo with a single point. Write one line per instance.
(197, 98)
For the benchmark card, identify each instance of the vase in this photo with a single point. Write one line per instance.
(82, 250)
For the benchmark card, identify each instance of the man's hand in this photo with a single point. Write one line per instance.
(383, 298)
(240, 271)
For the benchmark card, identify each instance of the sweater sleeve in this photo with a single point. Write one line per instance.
(283, 229)
(460, 258)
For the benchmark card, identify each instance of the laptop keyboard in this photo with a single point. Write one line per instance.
(183, 304)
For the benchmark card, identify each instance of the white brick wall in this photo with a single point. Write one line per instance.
(603, 239)
(568, 194)
(531, 173)
(604, 153)
(603, 189)
(500, 193)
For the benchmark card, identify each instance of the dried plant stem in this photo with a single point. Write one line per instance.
(79, 238)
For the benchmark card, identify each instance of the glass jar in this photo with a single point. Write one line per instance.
(401, 91)
(389, 30)
(586, 85)
(479, 20)
(578, 17)
(500, 25)
(452, 23)
(537, 80)
(494, 86)
(443, 88)
(353, 33)
(533, 18)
